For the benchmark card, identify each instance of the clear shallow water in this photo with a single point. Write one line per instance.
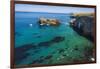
(48, 44)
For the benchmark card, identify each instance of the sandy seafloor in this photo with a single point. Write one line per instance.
(48, 44)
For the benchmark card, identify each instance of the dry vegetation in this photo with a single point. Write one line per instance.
(83, 14)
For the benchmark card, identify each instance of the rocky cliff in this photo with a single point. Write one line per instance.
(84, 25)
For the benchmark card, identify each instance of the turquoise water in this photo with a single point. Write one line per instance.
(48, 44)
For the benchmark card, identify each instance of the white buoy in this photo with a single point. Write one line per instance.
(30, 25)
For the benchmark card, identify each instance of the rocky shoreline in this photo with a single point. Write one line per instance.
(84, 25)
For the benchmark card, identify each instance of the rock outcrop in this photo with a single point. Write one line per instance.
(84, 25)
(48, 21)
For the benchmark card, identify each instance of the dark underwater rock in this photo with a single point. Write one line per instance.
(34, 62)
(40, 61)
(41, 56)
(58, 39)
(20, 52)
(37, 61)
(25, 47)
(44, 43)
(54, 40)
(66, 48)
(61, 50)
(64, 55)
(48, 57)
(76, 48)
(19, 56)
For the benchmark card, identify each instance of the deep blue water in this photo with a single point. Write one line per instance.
(41, 40)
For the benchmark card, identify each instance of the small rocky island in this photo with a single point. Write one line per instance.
(83, 24)
(49, 21)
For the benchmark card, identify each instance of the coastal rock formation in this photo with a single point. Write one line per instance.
(84, 25)
(45, 21)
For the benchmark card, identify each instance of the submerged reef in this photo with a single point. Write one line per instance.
(56, 39)
(64, 56)
(61, 50)
(47, 43)
(41, 60)
(48, 57)
(20, 52)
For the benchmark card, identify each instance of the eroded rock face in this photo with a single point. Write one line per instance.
(84, 25)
